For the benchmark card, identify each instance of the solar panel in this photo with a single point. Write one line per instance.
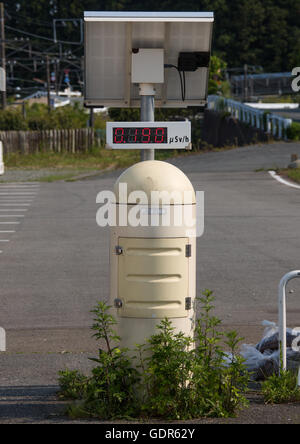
(110, 38)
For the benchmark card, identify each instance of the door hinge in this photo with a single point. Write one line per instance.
(188, 250)
(118, 303)
(188, 303)
(118, 250)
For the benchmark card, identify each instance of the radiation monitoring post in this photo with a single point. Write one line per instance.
(143, 432)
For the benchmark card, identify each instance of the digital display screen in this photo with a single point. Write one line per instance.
(140, 135)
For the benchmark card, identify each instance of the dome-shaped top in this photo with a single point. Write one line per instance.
(154, 175)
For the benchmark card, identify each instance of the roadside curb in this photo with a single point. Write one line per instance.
(283, 181)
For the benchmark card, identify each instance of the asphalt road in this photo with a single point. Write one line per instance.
(55, 267)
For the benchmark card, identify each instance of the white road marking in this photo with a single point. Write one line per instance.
(21, 187)
(21, 183)
(13, 197)
(18, 194)
(25, 198)
(283, 181)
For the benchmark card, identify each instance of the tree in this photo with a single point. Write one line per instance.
(260, 32)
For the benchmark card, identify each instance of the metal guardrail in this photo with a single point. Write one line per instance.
(268, 122)
(282, 318)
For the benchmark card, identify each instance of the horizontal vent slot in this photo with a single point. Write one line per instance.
(154, 251)
(154, 278)
(153, 305)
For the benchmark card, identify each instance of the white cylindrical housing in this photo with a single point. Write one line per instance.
(153, 264)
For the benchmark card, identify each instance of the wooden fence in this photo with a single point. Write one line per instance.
(58, 141)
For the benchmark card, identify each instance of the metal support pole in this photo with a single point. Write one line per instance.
(147, 114)
(48, 83)
(92, 118)
(3, 56)
(282, 317)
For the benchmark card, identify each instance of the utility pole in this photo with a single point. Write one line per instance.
(57, 76)
(245, 83)
(92, 118)
(48, 83)
(3, 58)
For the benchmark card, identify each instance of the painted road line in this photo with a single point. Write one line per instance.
(4, 240)
(15, 200)
(15, 203)
(9, 223)
(21, 183)
(12, 215)
(16, 187)
(18, 194)
(1, 232)
(283, 181)
(14, 209)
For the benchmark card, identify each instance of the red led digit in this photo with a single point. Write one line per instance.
(133, 132)
(119, 133)
(146, 135)
(159, 136)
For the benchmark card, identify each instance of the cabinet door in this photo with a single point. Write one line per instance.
(153, 277)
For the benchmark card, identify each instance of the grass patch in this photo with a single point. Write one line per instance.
(281, 389)
(68, 166)
(95, 159)
(291, 173)
(92, 160)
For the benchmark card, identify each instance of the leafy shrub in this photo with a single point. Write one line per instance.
(67, 117)
(293, 132)
(172, 376)
(12, 120)
(38, 118)
(279, 389)
(217, 83)
(111, 391)
(185, 382)
(73, 384)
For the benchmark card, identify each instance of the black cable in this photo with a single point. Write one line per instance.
(182, 80)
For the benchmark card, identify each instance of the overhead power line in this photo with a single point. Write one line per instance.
(29, 21)
(40, 36)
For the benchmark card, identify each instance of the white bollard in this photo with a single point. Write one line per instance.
(2, 340)
(282, 317)
(1, 159)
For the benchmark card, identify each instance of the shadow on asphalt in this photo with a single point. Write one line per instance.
(30, 404)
